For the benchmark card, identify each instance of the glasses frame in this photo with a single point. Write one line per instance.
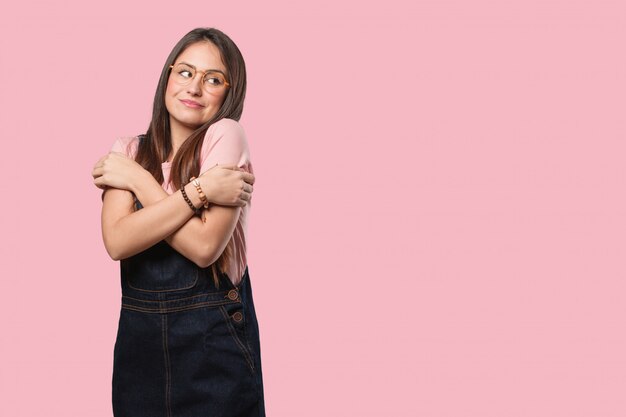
(226, 83)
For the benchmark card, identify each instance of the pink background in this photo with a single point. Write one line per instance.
(438, 227)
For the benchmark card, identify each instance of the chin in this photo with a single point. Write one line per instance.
(193, 126)
(190, 122)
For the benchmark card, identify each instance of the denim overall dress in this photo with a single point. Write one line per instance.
(185, 347)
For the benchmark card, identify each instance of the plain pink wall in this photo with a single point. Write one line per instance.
(438, 227)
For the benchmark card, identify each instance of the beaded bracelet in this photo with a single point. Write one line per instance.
(184, 193)
(203, 198)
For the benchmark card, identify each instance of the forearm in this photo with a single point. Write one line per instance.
(186, 238)
(148, 191)
(144, 228)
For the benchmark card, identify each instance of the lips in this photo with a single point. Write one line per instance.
(192, 104)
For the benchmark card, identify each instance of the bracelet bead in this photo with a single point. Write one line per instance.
(203, 198)
(184, 193)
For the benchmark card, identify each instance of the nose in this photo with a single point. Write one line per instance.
(195, 85)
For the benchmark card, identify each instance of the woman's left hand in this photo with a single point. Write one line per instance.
(118, 171)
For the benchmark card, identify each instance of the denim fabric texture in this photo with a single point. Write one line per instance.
(185, 347)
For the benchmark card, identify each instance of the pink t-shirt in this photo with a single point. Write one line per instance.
(225, 143)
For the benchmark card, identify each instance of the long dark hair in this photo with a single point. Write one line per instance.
(156, 145)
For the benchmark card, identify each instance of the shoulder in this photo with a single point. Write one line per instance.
(225, 143)
(127, 145)
(227, 126)
(226, 132)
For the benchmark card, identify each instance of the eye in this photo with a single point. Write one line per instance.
(185, 73)
(213, 81)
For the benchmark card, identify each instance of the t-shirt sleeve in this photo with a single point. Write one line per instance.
(127, 145)
(225, 144)
(117, 146)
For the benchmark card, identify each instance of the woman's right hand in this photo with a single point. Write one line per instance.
(227, 185)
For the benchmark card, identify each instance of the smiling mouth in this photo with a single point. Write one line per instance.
(191, 104)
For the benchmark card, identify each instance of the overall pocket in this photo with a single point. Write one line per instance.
(235, 321)
(159, 269)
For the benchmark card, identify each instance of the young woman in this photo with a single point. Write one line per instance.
(174, 213)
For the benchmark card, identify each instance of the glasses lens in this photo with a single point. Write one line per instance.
(214, 80)
(183, 73)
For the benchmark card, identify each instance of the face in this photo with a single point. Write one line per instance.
(191, 105)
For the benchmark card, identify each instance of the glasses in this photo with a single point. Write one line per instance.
(212, 80)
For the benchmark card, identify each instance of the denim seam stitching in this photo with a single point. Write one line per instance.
(167, 366)
(176, 299)
(159, 310)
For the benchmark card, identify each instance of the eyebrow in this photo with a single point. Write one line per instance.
(210, 69)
